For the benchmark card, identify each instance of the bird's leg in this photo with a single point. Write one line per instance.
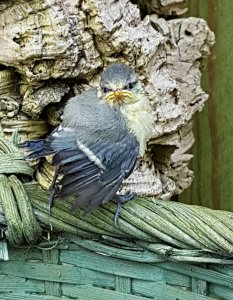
(120, 200)
(52, 189)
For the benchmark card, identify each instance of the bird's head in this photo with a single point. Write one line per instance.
(120, 85)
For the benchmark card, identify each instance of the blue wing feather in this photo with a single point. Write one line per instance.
(82, 176)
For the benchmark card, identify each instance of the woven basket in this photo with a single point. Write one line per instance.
(74, 272)
(160, 249)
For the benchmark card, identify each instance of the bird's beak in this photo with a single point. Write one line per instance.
(119, 95)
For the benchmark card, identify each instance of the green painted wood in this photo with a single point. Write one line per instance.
(56, 273)
(123, 284)
(228, 270)
(4, 255)
(221, 291)
(125, 279)
(199, 286)
(125, 268)
(12, 284)
(93, 261)
(212, 164)
(199, 273)
(162, 291)
(93, 293)
(176, 279)
(25, 253)
(52, 257)
(109, 265)
(15, 296)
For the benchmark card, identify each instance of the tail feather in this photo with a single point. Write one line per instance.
(36, 149)
(32, 145)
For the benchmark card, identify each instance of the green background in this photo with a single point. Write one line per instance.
(213, 128)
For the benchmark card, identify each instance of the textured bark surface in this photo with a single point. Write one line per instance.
(59, 48)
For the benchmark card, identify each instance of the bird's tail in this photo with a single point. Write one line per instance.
(36, 149)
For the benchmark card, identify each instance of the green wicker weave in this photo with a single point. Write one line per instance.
(73, 271)
(160, 249)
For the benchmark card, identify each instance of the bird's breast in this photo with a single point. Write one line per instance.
(139, 121)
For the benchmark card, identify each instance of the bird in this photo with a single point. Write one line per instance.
(103, 134)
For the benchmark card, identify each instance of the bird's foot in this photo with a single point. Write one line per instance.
(120, 200)
(53, 194)
(53, 190)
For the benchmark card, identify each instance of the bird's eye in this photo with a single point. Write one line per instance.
(106, 90)
(131, 85)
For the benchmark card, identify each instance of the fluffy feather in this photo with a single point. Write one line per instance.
(97, 145)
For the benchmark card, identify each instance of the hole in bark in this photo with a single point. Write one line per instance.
(161, 155)
(188, 33)
(142, 7)
(119, 54)
(17, 40)
(175, 198)
(174, 94)
(2, 67)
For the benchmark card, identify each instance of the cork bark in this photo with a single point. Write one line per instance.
(52, 50)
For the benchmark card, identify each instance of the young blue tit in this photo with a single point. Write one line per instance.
(97, 145)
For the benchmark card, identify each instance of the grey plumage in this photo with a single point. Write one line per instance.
(107, 137)
(93, 119)
(96, 146)
(118, 74)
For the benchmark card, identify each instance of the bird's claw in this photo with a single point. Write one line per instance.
(53, 190)
(51, 198)
(120, 200)
(117, 213)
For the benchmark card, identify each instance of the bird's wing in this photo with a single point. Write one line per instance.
(94, 171)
